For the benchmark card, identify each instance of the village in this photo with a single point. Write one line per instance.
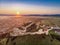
(33, 28)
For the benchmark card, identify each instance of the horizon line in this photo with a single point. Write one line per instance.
(29, 14)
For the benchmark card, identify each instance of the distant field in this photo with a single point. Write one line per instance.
(9, 21)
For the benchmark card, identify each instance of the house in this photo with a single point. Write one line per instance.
(56, 27)
(57, 30)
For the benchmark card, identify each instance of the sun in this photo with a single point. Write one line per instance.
(18, 12)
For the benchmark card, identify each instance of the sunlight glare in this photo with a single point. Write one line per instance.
(18, 12)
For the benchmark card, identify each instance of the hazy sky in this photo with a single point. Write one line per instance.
(30, 6)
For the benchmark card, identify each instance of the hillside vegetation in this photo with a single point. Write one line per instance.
(30, 40)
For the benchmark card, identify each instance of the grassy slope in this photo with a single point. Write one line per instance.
(31, 40)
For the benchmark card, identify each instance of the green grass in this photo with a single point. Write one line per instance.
(31, 40)
(52, 21)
